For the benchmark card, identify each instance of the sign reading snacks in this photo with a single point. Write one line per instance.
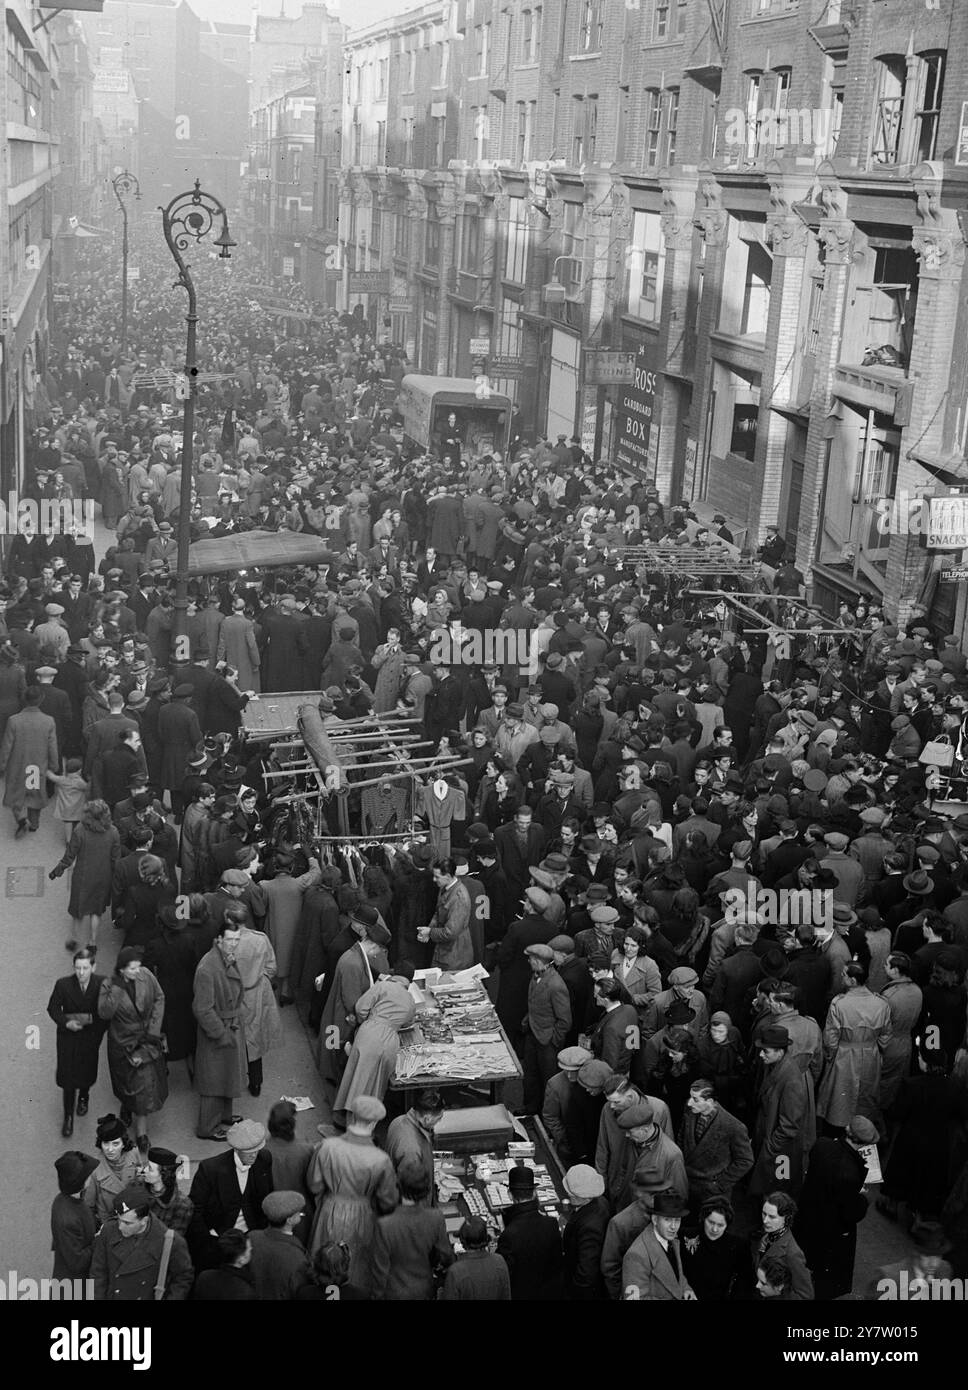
(637, 433)
(948, 523)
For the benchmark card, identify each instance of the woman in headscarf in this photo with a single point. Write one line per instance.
(722, 1058)
(141, 899)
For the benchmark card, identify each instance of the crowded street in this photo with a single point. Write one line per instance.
(446, 856)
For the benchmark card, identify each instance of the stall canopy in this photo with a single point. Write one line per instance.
(256, 550)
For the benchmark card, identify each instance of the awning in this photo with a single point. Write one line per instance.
(80, 231)
(255, 550)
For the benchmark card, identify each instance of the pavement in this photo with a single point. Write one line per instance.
(33, 929)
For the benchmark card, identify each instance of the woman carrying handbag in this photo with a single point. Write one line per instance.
(133, 1003)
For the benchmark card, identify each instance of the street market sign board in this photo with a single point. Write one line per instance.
(502, 365)
(370, 282)
(604, 367)
(480, 347)
(948, 523)
(637, 428)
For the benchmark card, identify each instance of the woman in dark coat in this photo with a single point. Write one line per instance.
(930, 1107)
(73, 1007)
(716, 1263)
(113, 498)
(722, 1060)
(72, 1224)
(133, 1003)
(136, 911)
(94, 850)
(172, 958)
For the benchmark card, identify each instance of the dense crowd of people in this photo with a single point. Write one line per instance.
(709, 870)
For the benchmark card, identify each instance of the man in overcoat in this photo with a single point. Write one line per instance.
(179, 733)
(128, 1254)
(28, 752)
(219, 1200)
(786, 1123)
(220, 1059)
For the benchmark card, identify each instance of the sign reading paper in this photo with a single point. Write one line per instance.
(637, 433)
(948, 523)
(606, 368)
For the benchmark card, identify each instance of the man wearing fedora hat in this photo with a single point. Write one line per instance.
(652, 1268)
(785, 1126)
(530, 1244)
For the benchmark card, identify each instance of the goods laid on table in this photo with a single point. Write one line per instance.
(456, 1035)
(477, 1185)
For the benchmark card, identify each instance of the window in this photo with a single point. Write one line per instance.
(356, 142)
(295, 163)
(700, 278)
(660, 21)
(893, 303)
(591, 25)
(376, 228)
(432, 238)
(578, 137)
(482, 47)
(653, 127)
(439, 131)
(646, 265)
(531, 35)
(754, 93)
(572, 245)
(480, 128)
(358, 83)
(401, 236)
(412, 70)
(381, 79)
(470, 241)
(381, 142)
(930, 81)
(781, 106)
(516, 253)
(888, 109)
(408, 141)
(682, 17)
(671, 123)
(526, 110)
(442, 60)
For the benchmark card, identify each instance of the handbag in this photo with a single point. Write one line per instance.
(150, 1049)
(937, 752)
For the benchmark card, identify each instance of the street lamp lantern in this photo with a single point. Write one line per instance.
(555, 291)
(124, 184)
(188, 218)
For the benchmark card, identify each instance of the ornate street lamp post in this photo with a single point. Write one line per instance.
(124, 184)
(189, 218)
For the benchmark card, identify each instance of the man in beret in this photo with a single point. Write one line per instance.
(832, 1205)
(129, 1251)
(652, 1268)
(279, 1265)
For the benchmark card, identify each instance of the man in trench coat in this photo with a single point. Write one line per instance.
(857, 1031)
(220, 1061)
(27, 753)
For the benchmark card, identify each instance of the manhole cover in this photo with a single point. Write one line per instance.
(25, 882)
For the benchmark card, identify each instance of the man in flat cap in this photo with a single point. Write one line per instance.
(228, 1191)
(545, 1025)
(558, 1093)
(584, 1234)
(649, 1154)
(130, 1250)
(220, 1058)
(354, 1183)
(279, 1265)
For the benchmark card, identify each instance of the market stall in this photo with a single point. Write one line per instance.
(457, 1039)
(476, 1183)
